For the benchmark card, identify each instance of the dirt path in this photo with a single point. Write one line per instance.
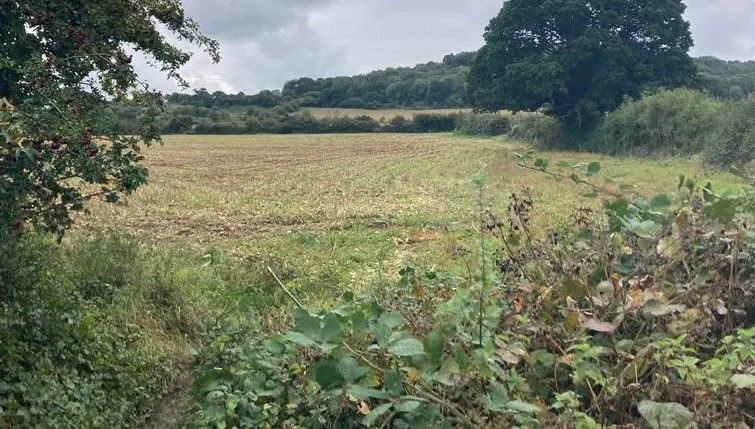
(174, 405)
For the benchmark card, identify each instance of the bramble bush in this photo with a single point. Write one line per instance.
(637, 314)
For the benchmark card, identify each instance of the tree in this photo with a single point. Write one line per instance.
(578, 59)
(61, 64)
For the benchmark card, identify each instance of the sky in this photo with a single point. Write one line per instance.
(265, 43)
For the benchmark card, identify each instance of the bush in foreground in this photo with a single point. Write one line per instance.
(93, 331)
(639, 315)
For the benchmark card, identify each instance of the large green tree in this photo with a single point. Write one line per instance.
(61, 63)
(577, 59)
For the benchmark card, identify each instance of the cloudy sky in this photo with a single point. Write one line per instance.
(267, 42)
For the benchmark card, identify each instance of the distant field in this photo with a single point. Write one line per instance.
(341, 211)
(387, 114)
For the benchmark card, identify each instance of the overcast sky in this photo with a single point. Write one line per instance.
(267, 42)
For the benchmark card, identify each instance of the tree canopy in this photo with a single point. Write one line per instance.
(61, 64)
(577, 59)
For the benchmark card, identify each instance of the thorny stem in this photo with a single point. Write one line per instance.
(483, 287)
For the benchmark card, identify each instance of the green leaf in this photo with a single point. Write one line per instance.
(522, 407)
(407, 406)
(307, 324)
(407, 347)
(372, 417)
(350, 369)
(434, 347)
(299, 338)
(660, 202)
(593, 168)
(331, 330)
(362, 393)
(665, 415)
(326, 375)
(723, 209)
(394, 382)
(743, 381)
(391, 319)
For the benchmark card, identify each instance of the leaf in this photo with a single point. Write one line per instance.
(361, 393)
(299, 338)
(331, 330)
(660, 202)
(658, 308)
(391, 319)
(407, 347)
(723, 210)
(326, 375)
(407, 406)
(350, 369)
(394, 382)
(307, 324)
(522, 407)
(434, 343)
(593, 168)
(372, 417)
(599, 326)
(743, 381)
(666, 415)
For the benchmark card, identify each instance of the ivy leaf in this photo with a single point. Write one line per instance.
(743, 381)
(660, 415)
(593, 168)
(372, 417)
(407, 347)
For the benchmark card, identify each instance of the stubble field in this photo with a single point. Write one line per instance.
(344, 212)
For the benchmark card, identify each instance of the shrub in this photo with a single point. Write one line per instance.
(484, 124)
(733, 142)
(668, 122)
(93, 331)
(537, 128)
(434, 122)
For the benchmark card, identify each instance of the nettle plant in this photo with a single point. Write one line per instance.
(639, 314)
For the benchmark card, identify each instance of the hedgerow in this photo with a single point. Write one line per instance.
(639, 314)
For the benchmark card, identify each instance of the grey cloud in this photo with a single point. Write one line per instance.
(267, 42)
